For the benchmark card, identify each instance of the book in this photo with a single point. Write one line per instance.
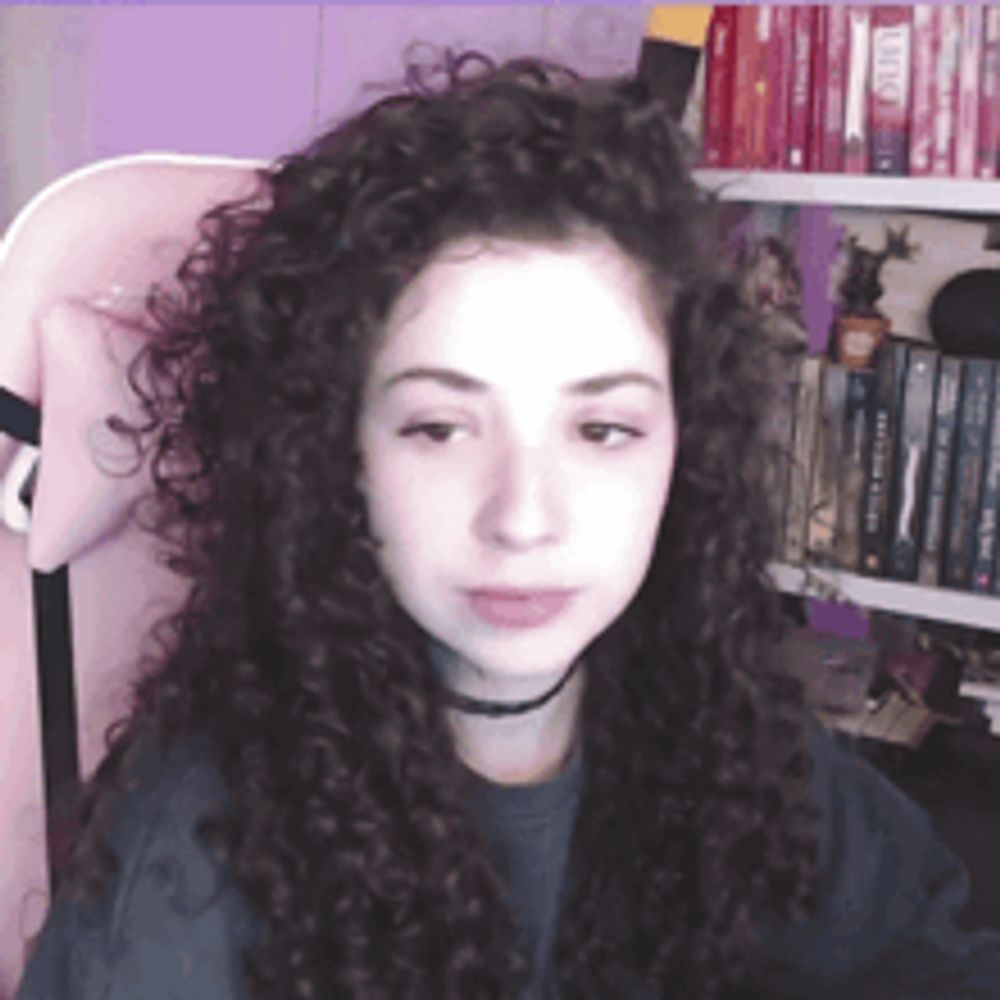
(922, 89)
(909, 470)
(944, 100)
(835, 70)
(721, 55)
(942, 453)
(779, 68)
(989, 501)
(744, 67)
(801, 87)
(890, 370)
(856, 90)
(803, 445)
(969, 67)
(858, 399)
(817, 89)
(760, 98)
(988, 156)
(824, 476)
(890, 88)
(974, 408)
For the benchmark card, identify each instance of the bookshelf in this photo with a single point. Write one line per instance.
(927, 194)
(932, 194)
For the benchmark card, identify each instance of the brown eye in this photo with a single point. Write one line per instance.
(436, 431)
(610, 434)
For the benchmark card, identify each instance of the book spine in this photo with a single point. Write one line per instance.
(817, 89)
(847, 539)
(988, 155)
(856, 95)
(989, 505)
(757, 133)
(798, 114)
(890, 88)
(922, 90)
(832, 158)
(744, 66)
(973, 422)
(945, 92)
(824, 480)
(806, 420)
(909, 471)
(878, 461)
(778, 86)
(942, 457)
(969, 67)
(721, 51)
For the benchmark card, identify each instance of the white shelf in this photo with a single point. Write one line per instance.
(935, 194)
(955, 606)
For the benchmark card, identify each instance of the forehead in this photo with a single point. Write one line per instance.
(506, 309)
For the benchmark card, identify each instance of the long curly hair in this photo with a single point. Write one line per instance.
(346, 828)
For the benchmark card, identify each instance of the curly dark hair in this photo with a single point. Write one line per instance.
(347, 827)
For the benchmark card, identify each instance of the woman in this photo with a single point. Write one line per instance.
(462, 444)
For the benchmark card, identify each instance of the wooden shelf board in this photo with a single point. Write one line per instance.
(937, 603)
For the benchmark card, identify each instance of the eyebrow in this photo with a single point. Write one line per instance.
(593, 385)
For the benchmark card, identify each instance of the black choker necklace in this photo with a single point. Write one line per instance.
(475, 706)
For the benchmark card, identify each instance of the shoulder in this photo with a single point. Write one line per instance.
(171, 918)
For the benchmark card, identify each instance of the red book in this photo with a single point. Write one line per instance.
(856, 90)
(798, 111)
(944, 97)
(988, 158)
(743, 74)
(890, 88)
(835, 61)
(779, 67)
(922, 89)
(721, 51)
(759, 80)
(970, 61)
(817, 90)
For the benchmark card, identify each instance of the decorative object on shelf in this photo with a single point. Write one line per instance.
(860, 326)
(964, 315)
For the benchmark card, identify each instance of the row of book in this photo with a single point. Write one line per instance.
(844, 88)
(895, 472)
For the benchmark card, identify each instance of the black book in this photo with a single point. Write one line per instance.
(909, 470)
(989, 503)
(890, 370)
(970, 458)
(949, 381)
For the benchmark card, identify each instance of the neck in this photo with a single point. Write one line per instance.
(520, 749)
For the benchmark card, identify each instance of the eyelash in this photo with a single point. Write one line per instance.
(428, 429)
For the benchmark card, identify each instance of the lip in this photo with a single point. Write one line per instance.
(518, 608)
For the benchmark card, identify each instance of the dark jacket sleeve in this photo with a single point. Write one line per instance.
(889, 894)
(169, 924)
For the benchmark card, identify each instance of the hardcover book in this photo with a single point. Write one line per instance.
(890, 369)
(801, 87)
(942, 456)
(719, 86)
(847, 539)
(909, 470)
(744, 66)
(944, 103)
(922, 87)
(973, 425)
(969, 71)
(817, 89)
(988, 157)
(760, 97)
(890, 88)
(779, 81)
(856, 90)
(989, 503)
(835, 65)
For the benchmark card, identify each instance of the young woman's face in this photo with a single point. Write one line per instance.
(518, 436)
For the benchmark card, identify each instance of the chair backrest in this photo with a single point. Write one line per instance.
(79, 587)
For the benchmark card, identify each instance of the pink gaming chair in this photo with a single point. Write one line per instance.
(79, 587)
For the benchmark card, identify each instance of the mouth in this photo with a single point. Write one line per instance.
(515, 608)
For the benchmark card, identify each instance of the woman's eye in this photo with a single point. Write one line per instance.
(611, 435)
(436, 431)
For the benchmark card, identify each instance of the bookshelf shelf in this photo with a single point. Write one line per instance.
(910, 599)
(931, 194)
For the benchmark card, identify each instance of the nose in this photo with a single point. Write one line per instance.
(521, 507)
